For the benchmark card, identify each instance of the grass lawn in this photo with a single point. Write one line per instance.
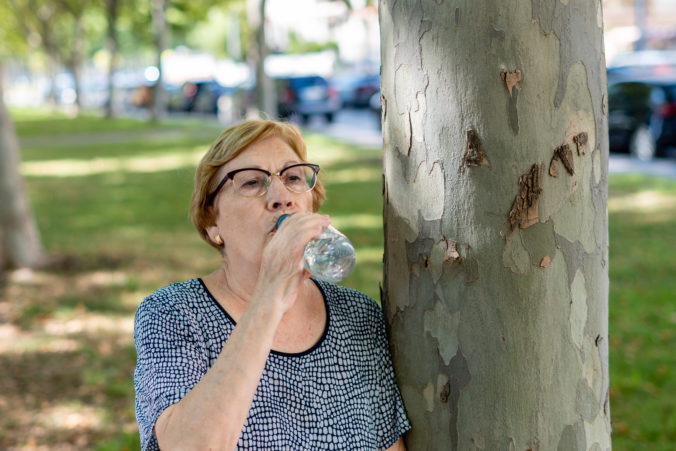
(111, 201)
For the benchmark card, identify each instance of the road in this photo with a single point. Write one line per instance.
(361, 127)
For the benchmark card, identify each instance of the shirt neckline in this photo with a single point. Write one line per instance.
(272, 351)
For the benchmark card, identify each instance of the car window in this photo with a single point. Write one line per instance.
(629, 95)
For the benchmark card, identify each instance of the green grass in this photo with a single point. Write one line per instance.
(642, 312)
(119, 229)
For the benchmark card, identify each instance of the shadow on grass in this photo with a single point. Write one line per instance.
(75, 390)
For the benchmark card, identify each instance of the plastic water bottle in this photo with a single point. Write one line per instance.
(329, 257)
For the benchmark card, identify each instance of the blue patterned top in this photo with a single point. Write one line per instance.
(338, 395)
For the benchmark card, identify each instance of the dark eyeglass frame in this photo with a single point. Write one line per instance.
(231, 174)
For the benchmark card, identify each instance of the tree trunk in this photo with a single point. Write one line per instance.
(496, 244)
(76, 59)
(266, 100)
(112, 8)
(234, 39)
(161, 41)
(19, 238)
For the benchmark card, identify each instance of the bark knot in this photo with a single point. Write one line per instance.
(445, 392)
(474, 151)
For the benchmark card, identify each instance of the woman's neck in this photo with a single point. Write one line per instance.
(234, 283)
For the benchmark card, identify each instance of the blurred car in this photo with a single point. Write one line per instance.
(642, 117)
(356, 88)
(143, 96)
(306, 96)
(198, 97)
(642, 65)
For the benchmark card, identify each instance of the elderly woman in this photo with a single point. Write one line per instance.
(257, 355)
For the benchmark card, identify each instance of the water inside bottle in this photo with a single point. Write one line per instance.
(330, 256)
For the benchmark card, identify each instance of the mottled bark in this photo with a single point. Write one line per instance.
(19, 239)
(496, 277)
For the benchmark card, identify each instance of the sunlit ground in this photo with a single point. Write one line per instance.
(113, 217)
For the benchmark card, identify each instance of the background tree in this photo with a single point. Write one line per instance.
(258, 51)
(161, 28)
(112, 10)
(495, 185)
(173, 17)
(59, 29)
(20, 244)
(72, 46)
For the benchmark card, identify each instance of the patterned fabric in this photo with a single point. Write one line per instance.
(338, 395)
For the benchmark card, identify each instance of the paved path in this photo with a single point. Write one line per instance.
(361, 127)
(624, 164)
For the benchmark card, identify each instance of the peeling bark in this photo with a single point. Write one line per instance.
(554, 167)
(546, 261)
(511, 79)
(525, 211)
(451, 254)
(565, 156)
(580, 141)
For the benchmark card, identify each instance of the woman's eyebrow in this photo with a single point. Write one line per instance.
(284, 165)
(290, 162)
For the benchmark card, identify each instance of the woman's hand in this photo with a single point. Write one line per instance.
(281, 272)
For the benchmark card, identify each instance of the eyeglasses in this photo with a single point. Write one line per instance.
(254, 182)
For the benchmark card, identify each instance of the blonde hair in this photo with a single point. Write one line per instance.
(227, 146)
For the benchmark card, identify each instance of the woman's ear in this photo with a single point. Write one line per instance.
(214, 236)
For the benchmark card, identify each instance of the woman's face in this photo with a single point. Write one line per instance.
(245, 223)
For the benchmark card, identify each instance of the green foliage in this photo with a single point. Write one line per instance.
(120, 232)
(45, 26)
(12, 40)
(221, 23)
(298, 45)
(51, 25)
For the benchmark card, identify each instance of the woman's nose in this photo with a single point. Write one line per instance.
(278, 197)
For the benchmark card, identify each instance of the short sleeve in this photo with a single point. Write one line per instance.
(392, 422)
(170, 362)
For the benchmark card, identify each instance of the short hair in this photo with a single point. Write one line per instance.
(227, 146)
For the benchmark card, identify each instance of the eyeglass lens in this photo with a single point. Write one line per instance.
(254, 182)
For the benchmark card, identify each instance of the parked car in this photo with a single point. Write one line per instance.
(356, 88)
(642, 65)
(642, 117)
(306, 96)
(143, 95)
(198, 97)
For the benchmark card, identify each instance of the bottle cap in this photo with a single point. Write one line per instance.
(280, 219)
